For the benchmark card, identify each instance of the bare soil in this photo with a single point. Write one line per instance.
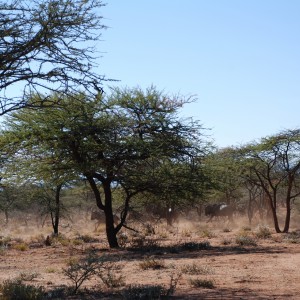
(269, 269)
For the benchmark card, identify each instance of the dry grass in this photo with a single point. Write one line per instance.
(190, 261)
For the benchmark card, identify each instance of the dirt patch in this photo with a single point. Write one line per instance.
(237, 263)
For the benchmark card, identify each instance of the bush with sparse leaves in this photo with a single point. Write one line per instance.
(16, 290)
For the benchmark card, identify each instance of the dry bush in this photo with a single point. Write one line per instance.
(246, 228)
(81, 270)
(27, 276)
(263, 232)
(193, 269)
(201, 283)
(85, 238)
(194, 246)
(151, 263)
(143, 292)
(226, 229)
(226, 241)
(151, 292)
(245, 240)
(123, 239)
(110, 277)
(15, 289)
(21, 246)
(144, 244)
(292, 237)
(207, 234)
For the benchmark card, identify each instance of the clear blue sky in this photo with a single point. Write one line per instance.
(240, 57)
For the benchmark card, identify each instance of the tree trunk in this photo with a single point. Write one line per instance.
(111, 233)
(57, 209)
(272, 205)
(288, 214)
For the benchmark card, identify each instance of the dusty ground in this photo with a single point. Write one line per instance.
(268, 270)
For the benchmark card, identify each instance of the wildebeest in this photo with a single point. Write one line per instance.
(100, 217)
(159, 212)
(219, 210)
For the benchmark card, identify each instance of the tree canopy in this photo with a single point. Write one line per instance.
(129, 139)
(47, 45)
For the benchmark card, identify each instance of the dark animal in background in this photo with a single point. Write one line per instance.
(100, 217)
(219, 210)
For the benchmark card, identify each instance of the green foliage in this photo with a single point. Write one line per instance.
(129, 138)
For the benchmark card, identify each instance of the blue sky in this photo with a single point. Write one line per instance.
(240, 58)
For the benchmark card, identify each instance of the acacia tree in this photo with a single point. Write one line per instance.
(275, 165)
(225, 168)
(47, 45)
(38, 166)
(113, 141)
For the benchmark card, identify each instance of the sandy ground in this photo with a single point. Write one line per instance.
(270, 269)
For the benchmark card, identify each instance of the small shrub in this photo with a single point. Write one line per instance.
(142, 243)
(244, 240)
(207, 234)
(193, 269)
(40, 238)
(226, 241)
(186, 233)
(21, 247)
(50, 270)
(263, 232)
(174, 278)
(163, 234)
(60, 239)
(193, 246)
(201, 283)
(57, 293)
(292, 237)
(149, 229)
(85, 238)
(151, 263)
(111, 280)
(123, 239)
(246, 228)
(28, 276)
(77, 242)
(16, 290)
(4, 241)
(79, 271)
(143, 292)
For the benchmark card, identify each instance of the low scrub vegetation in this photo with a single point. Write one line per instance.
(151, 263)
(263, 232)
(201, 283)
(193, 269)
(15, 289)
